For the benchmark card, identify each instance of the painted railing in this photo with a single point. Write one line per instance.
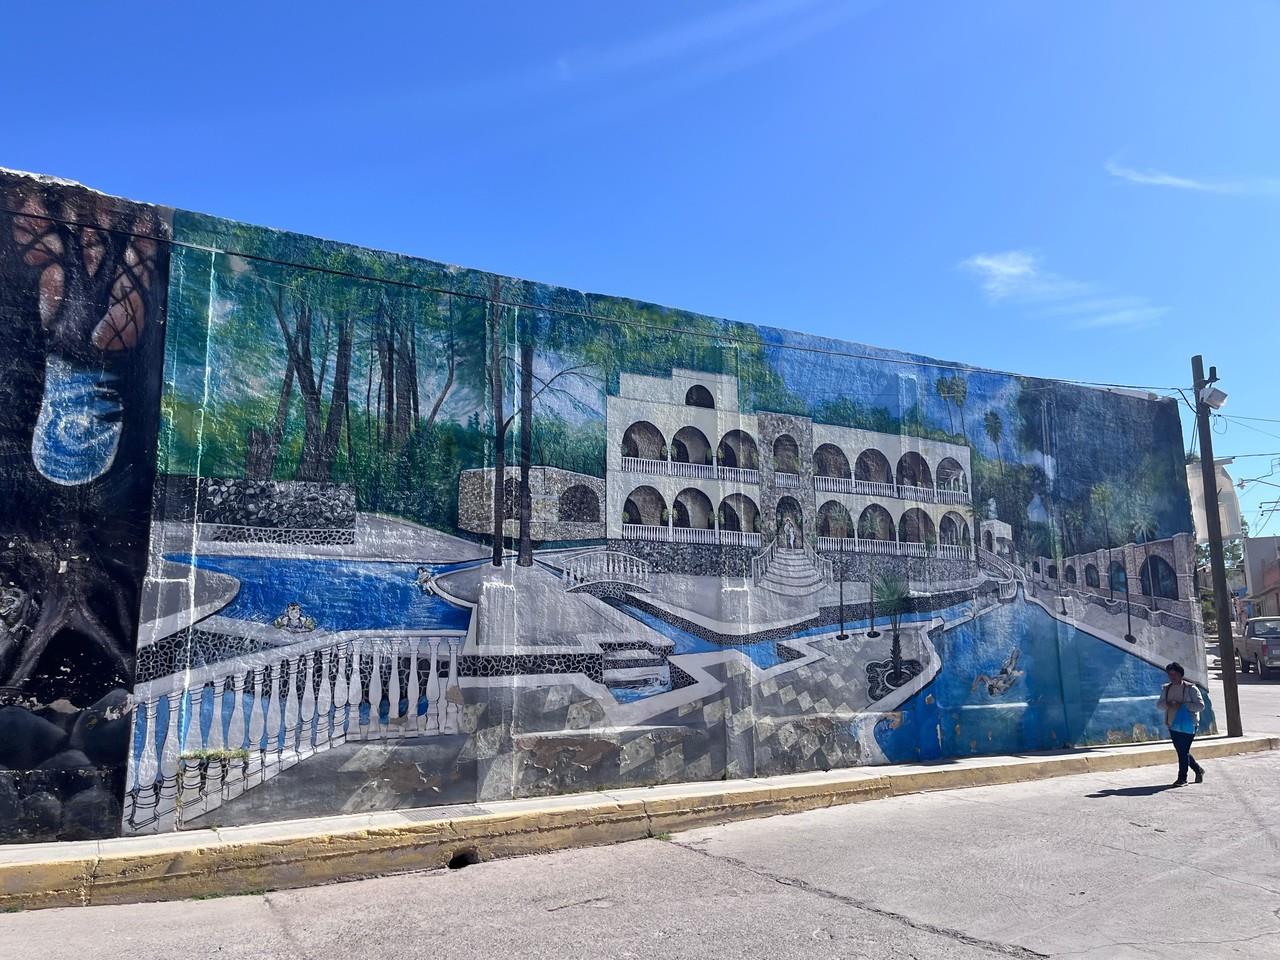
(691, 471)
(1006, 573)
(791, 480)
(645, 531)
(738, 474)
(825, 568)
(695, 471)
(606, 566)
(877, 488)
(892, 548)
(211, 733)
(922, 494)
(868, 488)
(728, 538)
(760, 562)
(693, 535)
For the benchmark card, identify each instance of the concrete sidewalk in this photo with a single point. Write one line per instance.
(301, 853)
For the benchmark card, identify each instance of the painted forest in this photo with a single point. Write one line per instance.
(295, 358)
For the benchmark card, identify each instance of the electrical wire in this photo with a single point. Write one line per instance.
(1247, 426)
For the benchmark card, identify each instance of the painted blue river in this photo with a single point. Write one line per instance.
(1075, 690)
(339, 594)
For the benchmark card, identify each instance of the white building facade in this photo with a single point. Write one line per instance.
(686, 465)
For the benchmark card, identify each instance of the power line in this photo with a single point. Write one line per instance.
(1236, 416)
(1247, 426)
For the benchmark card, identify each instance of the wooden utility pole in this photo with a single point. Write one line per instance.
(1213, 530)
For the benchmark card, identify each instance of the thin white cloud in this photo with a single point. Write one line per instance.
(1018, 276)
(1258, 186)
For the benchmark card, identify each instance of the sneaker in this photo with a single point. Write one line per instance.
(1199, 776)
(1178, 783)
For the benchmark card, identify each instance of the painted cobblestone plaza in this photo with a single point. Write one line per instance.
(301, 528)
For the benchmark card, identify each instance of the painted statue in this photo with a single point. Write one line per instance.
(294, 620)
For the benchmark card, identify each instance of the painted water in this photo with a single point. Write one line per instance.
(1074, 690)
(338, 594)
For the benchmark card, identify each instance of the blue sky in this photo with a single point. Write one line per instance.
(1082, 190)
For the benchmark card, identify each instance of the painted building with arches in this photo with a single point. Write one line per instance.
(685, 464)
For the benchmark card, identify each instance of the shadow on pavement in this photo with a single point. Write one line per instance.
(1146, 791)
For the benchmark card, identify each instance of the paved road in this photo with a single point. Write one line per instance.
(1101, 867)
(1259, 699)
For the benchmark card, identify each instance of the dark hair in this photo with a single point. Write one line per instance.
(1176, 667)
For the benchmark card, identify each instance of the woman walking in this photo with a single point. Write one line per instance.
(1182, 703)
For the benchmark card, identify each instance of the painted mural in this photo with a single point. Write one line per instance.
(83, 282)
(422, 535)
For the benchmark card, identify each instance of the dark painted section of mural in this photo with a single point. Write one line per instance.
(83, 281)
(423, 535)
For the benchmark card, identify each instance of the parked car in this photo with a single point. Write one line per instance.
(1259, 648)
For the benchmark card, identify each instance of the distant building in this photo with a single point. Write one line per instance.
(1262, 577)
(686, 465)
(995, 535)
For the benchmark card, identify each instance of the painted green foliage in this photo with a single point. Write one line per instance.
(296, 358)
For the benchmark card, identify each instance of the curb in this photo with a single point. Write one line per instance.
(251, 859)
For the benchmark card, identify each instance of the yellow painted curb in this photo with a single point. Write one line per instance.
(304, 853)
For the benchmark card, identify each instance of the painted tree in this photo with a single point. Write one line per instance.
(1142, 522)
(954, 391)
(1103, 499)
(890, 592)
(495, 338)
(84, 281)
(994, 427)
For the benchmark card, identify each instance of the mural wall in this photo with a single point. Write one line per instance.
(82, 295)
(422, 535)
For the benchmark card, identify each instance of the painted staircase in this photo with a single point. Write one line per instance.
(792, 573)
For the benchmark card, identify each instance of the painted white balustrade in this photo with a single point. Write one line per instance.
(213, 732)
(894, 548)
(737, 474)
(645, 531)
(603, 566)
(692, 471)
(693, 535)
(660, 468)
(792, 480)
(921, 494)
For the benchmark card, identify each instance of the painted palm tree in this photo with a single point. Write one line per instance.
(872, 578)
(1143, 523)
(995, 433)
(1103, 500)
(953, 390)
(960, 387)
(889, 590)
(1073, 523)
(943, 388)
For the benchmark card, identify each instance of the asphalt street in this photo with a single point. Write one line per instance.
(1107, 866)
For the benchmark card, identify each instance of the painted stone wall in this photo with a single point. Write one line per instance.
(721, 550)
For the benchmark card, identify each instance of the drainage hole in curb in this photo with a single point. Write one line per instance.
(463, 858)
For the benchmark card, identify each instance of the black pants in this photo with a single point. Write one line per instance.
(1182, 743)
